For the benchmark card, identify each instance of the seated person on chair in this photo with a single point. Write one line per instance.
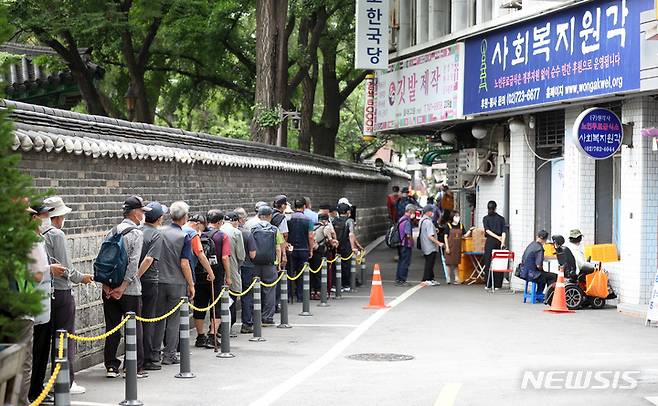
(583, 267)
(532, 267)
(565, 258)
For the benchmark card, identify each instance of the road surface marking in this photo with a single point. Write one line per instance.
(78, 403)
(327, 325)
(448, 394)
(277, 392)
(652, 399)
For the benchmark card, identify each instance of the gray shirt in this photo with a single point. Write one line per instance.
(175, 247)
(58, 254)
(237, 255)
(133, 242)
(152, 248)
(427, 230)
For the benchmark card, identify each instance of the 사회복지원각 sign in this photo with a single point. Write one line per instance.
(583, 51)
(421, 90)
(598, 133)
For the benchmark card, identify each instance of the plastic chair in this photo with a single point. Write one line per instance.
(500, 262)
(533, 295)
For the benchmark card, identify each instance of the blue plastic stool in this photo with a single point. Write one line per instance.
(533, 295)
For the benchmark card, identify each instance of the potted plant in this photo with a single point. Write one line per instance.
(17, 237)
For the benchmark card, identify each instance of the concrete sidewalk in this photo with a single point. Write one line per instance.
(469, 347)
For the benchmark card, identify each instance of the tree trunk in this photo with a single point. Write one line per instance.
(266, 29)
(90, 94)
(324, 137)
(282, 68)
(142, 111)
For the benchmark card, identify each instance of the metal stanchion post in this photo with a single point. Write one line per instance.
(63, 385)
(225, 317)
(339, 277)
(306, 304)
(130, 362)
(185, 370)
(323, 284)
(353, 274)
(363, 270)
(284, 301)
(257, 314)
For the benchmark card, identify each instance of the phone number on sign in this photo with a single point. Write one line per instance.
(511, 99)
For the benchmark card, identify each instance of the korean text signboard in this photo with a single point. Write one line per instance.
(371, 43)
(579, 52)
(421, 90)
(598, 133)
(369, 107)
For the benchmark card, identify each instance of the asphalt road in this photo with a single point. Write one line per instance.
(469, 347)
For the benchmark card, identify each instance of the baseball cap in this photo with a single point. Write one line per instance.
(135, 202)
(575, 233)
(428, 208)
(198, 218)
(280, 199)
(260, 204)
(157, 210)
(59, 208)
(264, 210)
(39, 209)
(232, 216)
(343, 200)
(343, 208)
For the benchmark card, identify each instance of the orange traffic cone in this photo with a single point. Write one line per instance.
(377, 291)
(559, 303)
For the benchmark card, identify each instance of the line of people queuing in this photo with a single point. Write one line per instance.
(194, 255)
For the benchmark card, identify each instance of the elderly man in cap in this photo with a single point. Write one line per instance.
(36, 333)
(62, 314)
(238, 254)
(148, 273)
(126, 297)
(575, 246)
(246, 272)
(269, 243)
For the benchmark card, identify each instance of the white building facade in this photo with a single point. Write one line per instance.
(508, 79)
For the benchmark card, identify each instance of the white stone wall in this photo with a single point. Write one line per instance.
(489, 188)
(639, 191)
(522, 194)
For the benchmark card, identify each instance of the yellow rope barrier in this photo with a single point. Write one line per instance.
(341, 258)
(244, 292)
(273, 284)
(60, 349)
(48, 387)
(100, 337)
(211, 305)
(164, 316)
(319, 268)
(299, 275)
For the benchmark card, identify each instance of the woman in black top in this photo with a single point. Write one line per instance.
(495, 230)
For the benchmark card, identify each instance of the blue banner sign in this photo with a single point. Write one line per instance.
(598, 133)
(583, 51)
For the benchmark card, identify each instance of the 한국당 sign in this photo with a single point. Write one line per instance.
(421, 90)
(580, 52)
(598, 133)
(371, 42)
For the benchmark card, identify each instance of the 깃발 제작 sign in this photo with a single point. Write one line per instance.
(421, 90)
(598, 133)
(371, 41)
(582, 51)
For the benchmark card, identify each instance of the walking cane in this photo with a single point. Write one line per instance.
(212, 315)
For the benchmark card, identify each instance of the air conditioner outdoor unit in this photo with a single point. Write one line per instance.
(477, 161)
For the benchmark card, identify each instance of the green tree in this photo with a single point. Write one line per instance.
(17, 234)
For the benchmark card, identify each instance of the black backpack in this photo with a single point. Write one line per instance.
(343, 236)
(210, 250)
(277, 218)
(265, 239)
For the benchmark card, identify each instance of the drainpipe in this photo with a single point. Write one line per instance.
(404, 39)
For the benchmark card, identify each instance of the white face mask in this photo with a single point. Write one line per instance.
(456, 219)
(45, 224)
(63, 222)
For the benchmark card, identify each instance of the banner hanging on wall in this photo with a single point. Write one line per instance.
(371, 42)
(421, 90)
(580, 52)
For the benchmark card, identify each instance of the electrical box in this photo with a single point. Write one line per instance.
(477, 161)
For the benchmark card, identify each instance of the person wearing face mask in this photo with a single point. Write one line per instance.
(454, 231)
(38, 330)
(63, 303)
(126, 297)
